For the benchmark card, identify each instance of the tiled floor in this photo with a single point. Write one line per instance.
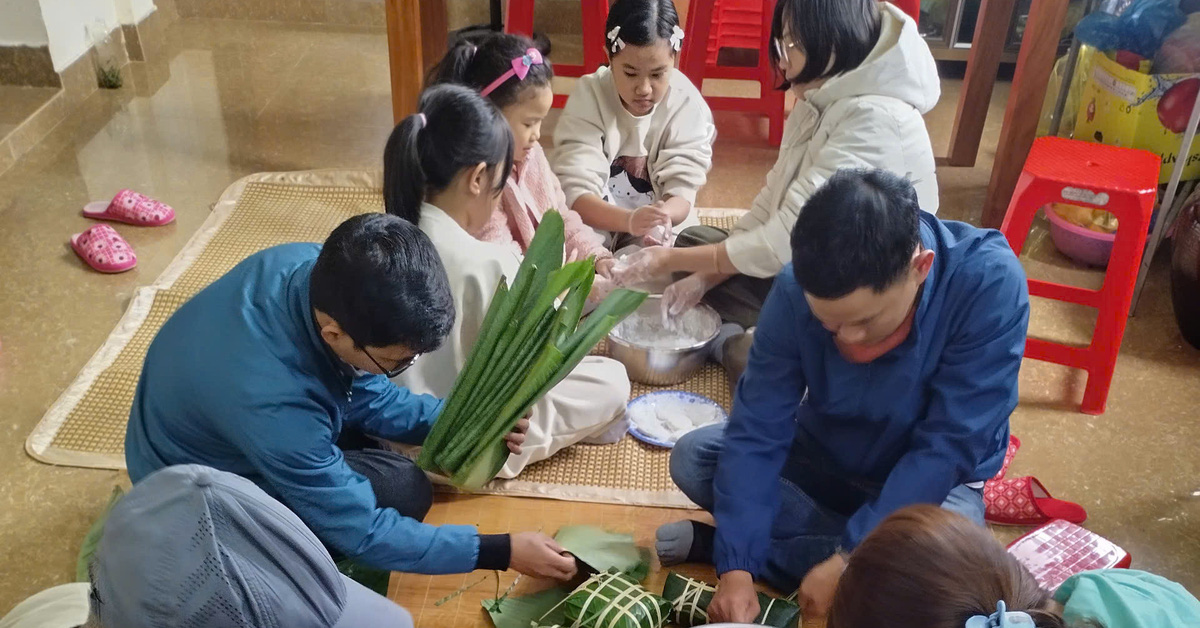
(232, 98)
(17, 103)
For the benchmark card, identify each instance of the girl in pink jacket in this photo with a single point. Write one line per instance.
(515, 76)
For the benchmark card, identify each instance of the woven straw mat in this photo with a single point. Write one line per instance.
(92, 434)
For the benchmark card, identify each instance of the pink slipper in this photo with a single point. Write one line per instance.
(104, 249)
(131, 208)
(1025, 502)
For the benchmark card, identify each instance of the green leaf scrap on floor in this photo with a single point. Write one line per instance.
(91, 540)
(530, 339)
(602, 550)
(526, 611)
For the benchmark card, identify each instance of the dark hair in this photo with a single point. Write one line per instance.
(927, 567)
(455, 129)
(858, 230)
(642, 22)
(381, 279)
(477, 62)
(836, 35)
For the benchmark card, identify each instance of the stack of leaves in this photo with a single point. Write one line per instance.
(690, 599)
(596, 550)
(530, 340)
(614, 600)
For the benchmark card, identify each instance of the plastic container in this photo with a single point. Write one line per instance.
(1079, 243)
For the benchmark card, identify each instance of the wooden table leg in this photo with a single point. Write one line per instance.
(416, 39)
(1039, 48)
(976, 95)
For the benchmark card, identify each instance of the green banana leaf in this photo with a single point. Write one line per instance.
(603, 550)
(539, 609)
(527, 345)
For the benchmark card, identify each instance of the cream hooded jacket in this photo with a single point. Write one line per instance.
(869, 117)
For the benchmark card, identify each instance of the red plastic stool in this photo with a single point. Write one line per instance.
(594, 13)
(737, 26)
(695, 62)
(1119, 180)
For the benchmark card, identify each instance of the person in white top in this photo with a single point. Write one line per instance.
(444, 170)
(634, 143)
(862, 77)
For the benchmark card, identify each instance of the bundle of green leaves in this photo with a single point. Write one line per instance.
(614, 600)
(531, 338)
(690, 599)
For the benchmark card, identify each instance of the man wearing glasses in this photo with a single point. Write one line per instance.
(278, 372)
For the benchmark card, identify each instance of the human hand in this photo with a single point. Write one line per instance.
(516, 437)
(682, 296)
(642, 266)
(819, 585)
(604, 266)
(535, 554)
(658, 236)
(601, 287)
(735, 601)
(645, 218)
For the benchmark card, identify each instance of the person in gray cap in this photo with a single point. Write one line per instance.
(194, 547)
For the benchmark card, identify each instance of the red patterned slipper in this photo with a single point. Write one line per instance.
(1014, 444)
(1025, 502)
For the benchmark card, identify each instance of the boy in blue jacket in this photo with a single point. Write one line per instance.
(882, 374)
(278, 372)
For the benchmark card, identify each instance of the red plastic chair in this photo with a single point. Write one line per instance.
(1119, 180)
(911, 7)
(702, 18)
(594, 14)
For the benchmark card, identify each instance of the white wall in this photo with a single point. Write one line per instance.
(133, 11)
(69, 24)
(21, 23)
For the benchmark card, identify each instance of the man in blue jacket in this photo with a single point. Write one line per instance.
(278, 372)
(882, 374)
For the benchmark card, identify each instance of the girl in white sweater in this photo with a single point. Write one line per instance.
(862, 77)
(444, 170)
(634, 143)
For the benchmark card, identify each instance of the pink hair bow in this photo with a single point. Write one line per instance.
(520, 69)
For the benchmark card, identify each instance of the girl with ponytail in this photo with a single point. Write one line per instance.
(444, 169)
(927, 567)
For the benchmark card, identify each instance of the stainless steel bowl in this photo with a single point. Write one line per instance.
(662, 367)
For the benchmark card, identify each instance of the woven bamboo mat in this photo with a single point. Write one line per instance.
(86, 426)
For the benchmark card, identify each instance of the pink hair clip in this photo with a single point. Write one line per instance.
(520, 69)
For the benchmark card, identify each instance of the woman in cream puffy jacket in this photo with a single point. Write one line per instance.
(863, 110)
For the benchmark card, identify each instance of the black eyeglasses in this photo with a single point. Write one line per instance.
(399, 368)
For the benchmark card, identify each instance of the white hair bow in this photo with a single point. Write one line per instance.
(615, 39)
(676, 38)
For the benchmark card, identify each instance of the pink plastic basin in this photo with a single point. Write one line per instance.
(1079, 243)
